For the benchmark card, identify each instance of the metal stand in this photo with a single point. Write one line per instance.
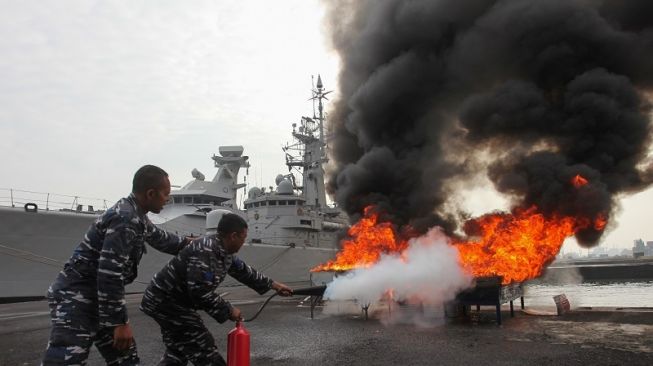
(365, 308)
(492, 293)
(314, 301)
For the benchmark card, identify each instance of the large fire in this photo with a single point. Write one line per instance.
(517, 246)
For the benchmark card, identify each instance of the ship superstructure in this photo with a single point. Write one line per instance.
(186, 211)
(292, 214)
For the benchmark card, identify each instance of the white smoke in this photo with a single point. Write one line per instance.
(427, 273)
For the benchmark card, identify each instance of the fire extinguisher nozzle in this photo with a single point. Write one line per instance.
(310, 291)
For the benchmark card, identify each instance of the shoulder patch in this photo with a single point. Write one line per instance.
(207, 276)
(237, 263)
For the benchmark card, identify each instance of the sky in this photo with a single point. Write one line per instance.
(92, 90)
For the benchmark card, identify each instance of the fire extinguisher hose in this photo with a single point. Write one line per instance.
(308, 291)
(260, 309)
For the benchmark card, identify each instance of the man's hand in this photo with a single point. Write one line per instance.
(235, 315)
(122, 337)
(281, 289)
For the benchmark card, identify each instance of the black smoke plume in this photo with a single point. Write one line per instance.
(529, 93)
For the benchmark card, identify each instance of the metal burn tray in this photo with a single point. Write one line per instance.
(490, 291)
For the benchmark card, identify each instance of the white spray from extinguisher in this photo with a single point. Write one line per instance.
(427, 274)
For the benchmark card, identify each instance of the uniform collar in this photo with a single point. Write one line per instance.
(219, 246)
(132, 200)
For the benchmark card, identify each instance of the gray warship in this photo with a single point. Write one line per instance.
(292, 228)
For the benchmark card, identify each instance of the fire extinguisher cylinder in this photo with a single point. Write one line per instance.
(238, 346)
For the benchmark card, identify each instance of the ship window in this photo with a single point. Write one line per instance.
(188, 199)
(273, 203)
(264, 203)
(255, 204)
(306, 222)
(177, 199)
(282, 203)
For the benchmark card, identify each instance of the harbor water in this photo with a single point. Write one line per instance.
(592, 294)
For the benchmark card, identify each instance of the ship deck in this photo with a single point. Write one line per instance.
(284, 334)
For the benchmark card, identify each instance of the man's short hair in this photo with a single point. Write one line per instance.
(148, 177)
(231, 223)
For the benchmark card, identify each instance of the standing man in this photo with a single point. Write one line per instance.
(188, 282)
(87, 300)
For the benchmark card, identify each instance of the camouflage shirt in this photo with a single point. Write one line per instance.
(191, 278)
(107, 259)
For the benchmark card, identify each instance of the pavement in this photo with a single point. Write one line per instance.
(339, 334)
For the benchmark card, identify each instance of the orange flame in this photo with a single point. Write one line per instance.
(600, 222)
(578, 181)
(368, 240)
(516, 246)
(519, 246)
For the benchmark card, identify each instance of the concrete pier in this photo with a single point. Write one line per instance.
(284, 334)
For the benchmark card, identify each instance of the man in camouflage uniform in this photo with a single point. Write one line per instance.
(87, 300)
(188, 282)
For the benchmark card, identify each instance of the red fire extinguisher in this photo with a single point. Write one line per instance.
(238, 346)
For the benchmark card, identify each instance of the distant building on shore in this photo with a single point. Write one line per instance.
(642, 250)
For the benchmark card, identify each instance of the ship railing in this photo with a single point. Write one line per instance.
(290, 242)
(10, 197)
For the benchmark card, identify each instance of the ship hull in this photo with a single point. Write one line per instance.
(34, 246)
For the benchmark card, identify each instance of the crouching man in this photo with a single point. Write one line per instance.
(188, 283)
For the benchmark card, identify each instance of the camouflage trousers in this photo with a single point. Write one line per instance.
(75, 328)
(184, 334)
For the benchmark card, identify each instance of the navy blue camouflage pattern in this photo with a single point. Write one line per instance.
(189, 283)
(75, 329)
(87, 299)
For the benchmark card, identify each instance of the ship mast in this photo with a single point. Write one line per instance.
(319, 95)
(309, 150)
